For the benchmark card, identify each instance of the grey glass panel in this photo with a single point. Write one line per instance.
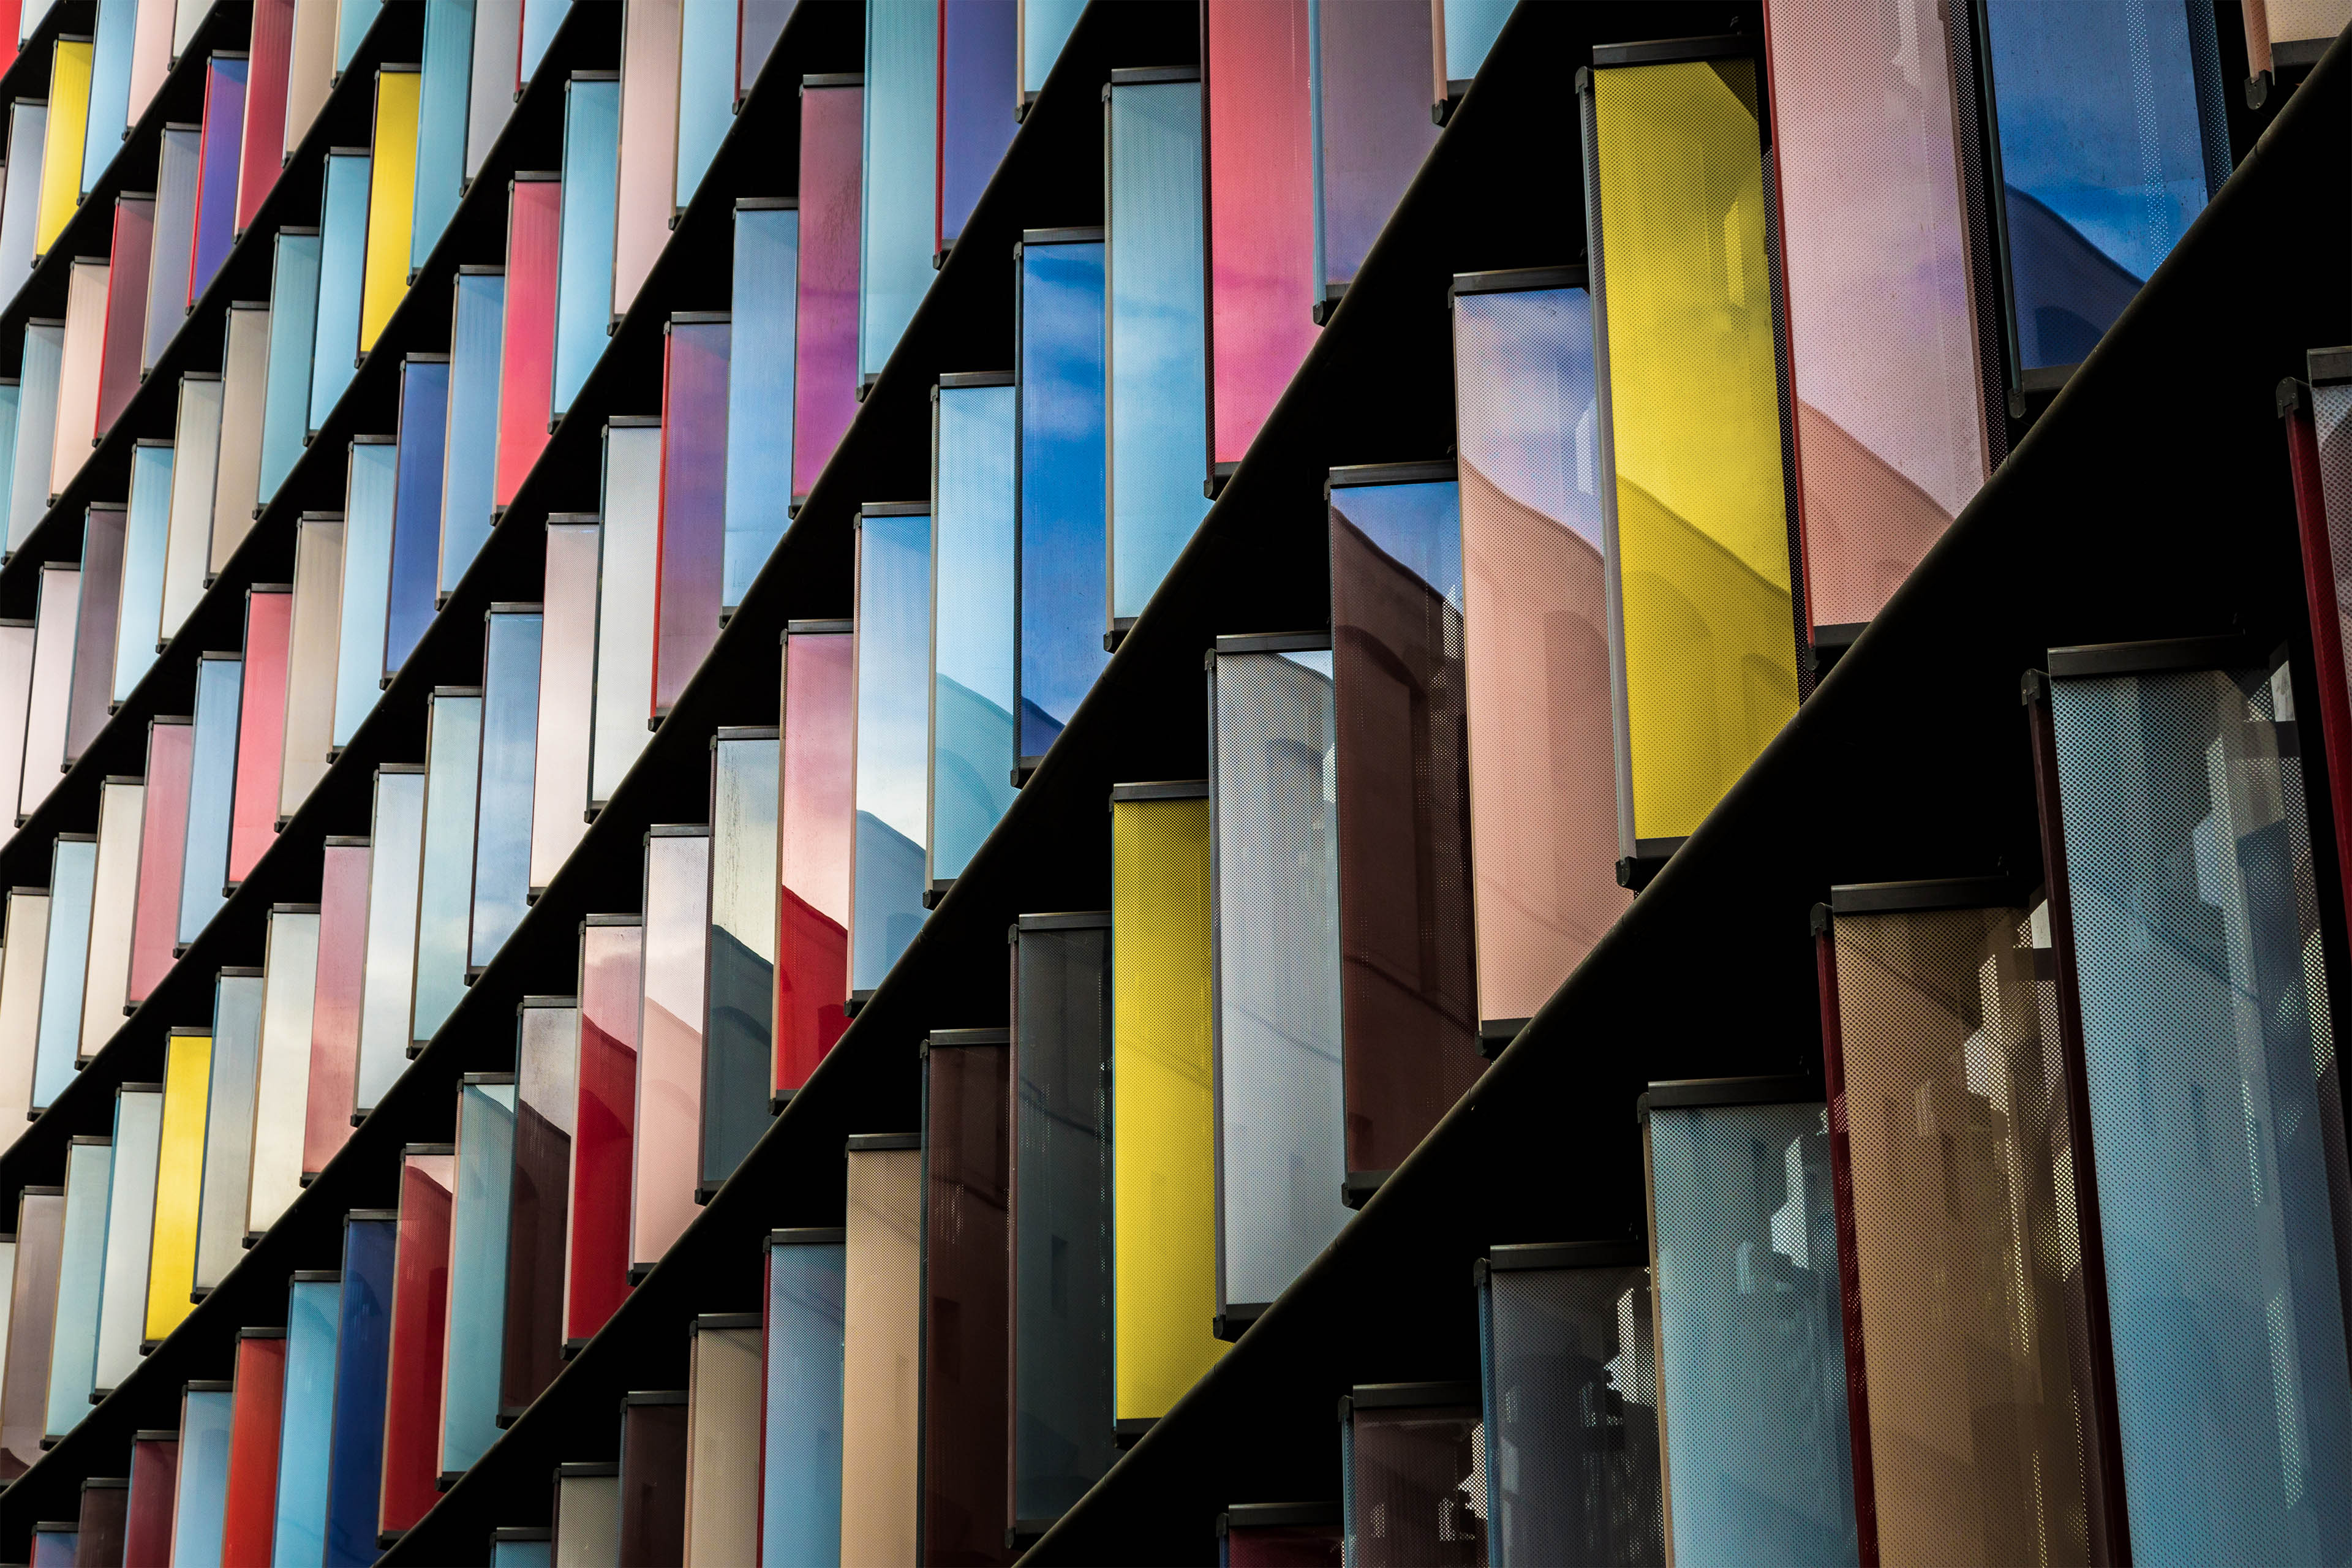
(453, 762)
(1281, 1116)
(739, 1035)
(973, 744)
(631, 543)
(310, 731)
(195, 462)
(899, 211)
(130, 1232)
(440, 123)
(385, 997)
(497, 42)
(212, 782)
(886, 898)
(293, 321)
(146, 525)
(478, 1272)
(373, 485)
(27, 127)
(509, 746)
(73, 882)
(471, 461)
(245, 382)
(764, 315)
(583, 278)
(235, 1077)
(36, 427)
(82, 1266)
(179, 161)
(342, 263)
(57, 618)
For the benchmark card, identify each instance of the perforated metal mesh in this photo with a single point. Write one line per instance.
(1750, 1357)
(2214, 1109)
(1416, 1487)
(1962, 1239)
(1572, 1419)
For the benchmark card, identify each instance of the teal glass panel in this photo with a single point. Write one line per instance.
(212, 788)
(293, 317)
(36, 424)
(234, 1076)
(800, 1481)
(343, 277)
(470, 463)
(478, 1268)
(1471, 27)
(146, 528)
(352, 19)
(898, 213)
(760, 392)
(109, 87)
(453, 762)
(372, 485)
(706, 92)
(509, 760)
(1045, 28)
(441, 123)
(1063, 541)
(893, 680)
(583, 277)
(539, 20)
(972, 749)
(81, 1269)
(306, 1419)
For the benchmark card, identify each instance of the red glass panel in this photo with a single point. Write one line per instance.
(669, 1144)
(31, 1318)
(155, 1478)
(163, 843)
(126, 306)
(420, 1332)
(252, 1516)
(269, 58)
(596, 1262)
(335, 1006)
(693, 525)
(527, 347)
(260, 726)
(1262, 285)
(824, 369)
(101, 606)
(814, 821)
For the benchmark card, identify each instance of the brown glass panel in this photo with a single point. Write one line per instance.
(32, 1314)
(967, 1178)
(547, 1103)
(653, 1480)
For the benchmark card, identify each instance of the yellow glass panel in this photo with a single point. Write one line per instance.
(179, 1182)
(1691, 395)
(69, 123)
(392, 198)
(1163, 1160)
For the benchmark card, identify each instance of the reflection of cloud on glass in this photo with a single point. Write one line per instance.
(1523, 374)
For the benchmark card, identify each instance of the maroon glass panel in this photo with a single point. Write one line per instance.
(101, 604)
(967, 1292)
(32, 1319)
(162, 845)
(687, 573)
(420, 1335)
(155, 1479)
(596, 1261)
(816, 820)
(1284, 1546)
(126, 306)
(824, 345)
(260, 725)
(335, 1004)
(105, 1507)
(547, 1105)
(653, 1480)
(1262, 289)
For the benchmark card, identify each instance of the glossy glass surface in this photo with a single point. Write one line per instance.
(337, 1007)
(817, 818)
(668, 1135)
(21, 968)
(539, 20)
(1370, 60)
(800, 1447)
(649, 147)
(147, 1527)
(362, 1353)
(722, 1444)
(179, 1182)
(244, 380)
(977, 42)
(94, 628)
(179, 161)
(162, 848)
(392, 198)
(546, 1108)
(222, 144)
(653, 1481)
(313, 1314)
(257, 1411)
(824, 373)
(78, 371)
(1062, 540)
(453, 770)
(130, 1232)
(1467, 30)
(146, 526)
(596, 1254)
(892, 684)
(126, 306)
(372, 485)
(200, 1495)
(739, 1028)
(882, 1315)
(61, 149)
(583, 282)
(491, 94)
(82, 1266)
(282, 1089)
(1688, 449)
(52, 686)
(448, 59)
(760, 392)
(73, 885)
(1045, 28)
(973, 750)
(478, 1270)
(693, 503)
(469, 474)
(352, 19)
(28, 125)
(416, 508)
(967, 1195)
(342, 280)
(706, 91)
(261, 727)
(228, 1126)
(898, 210)
(196, 461)
(760, 24)
(567, 697)
(114, 898)
(294, 309)
(36, 426)
(262, 148)
(386, 994)
(32, 1314)
(315, 629)
(109, 88)
(1261, 176)
(587, 1518)
(626, 574)
(527, 347)
(212, 794)
(103, 1510)
(501, 868)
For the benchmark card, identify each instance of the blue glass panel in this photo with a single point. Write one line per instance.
(73, 885)
(1156, 358)
(293, 317)
(893, 679)
(342, 264)
(362, 1358)
(416, 508)
(509, 758)
(27, 128)
(521, 1553)
(1470, 29)
(1063, 551)
(306, 1422)
(739, 1026)
(477, 1271)
(36, 426)
(800, 1482)
(898, 212)
(229, 1087)
(1045, 28)
(81, 1269)
(2213, 1104)
(469, 478)
(373, 480)
(977, 43)
(441, 123)
(146, 527)
(178, 162)
(2102, 169)
(584, 278)
(760, 392)
(972, 753)
(352, 19)
(200, 1501)
(539, 20)
(445, 894)
(109, 87)
(387, 991)
(1751, 1356)
(706, 94)
(212, 788)
(55, 1548)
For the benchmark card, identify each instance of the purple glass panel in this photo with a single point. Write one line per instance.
(216, 183)
(979, 40)
(825, 371)
(693, 502)
(1371, 128)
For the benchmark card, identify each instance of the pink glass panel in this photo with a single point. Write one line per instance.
(335, 1006)
(151, 52)
(101, 604)
(270, 56)
(649, 45)
(53, 661)
(527, 349)
(597, 1261)
(163, 841)
(76, 424)
(824, 364)
(260, 726)
(814, 821)
(420, 1331)
(126, 306)
(693, 504)
(1262, 284)
(15, 696)
(669, 1042)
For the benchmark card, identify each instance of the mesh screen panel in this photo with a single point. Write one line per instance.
(693, 503)
(1281, 1114)
(1962, 1239)
(416, 506)
(1415, 1486)
(2214, 1109)
(978, 44)
(815, 822)
(32, 1320)
(1751, 1357)
(891, 743)
(967, 1178)
(1372, 130)
(363, 1344)
(759, 391)
(1571, 1418)
(973, 744)
(584, 268)
(723, 1460)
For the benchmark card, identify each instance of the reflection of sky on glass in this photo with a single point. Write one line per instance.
(1470, 29)
(1418, 526)
(1045, 28)
(1063, 547)
(760, 394)
(1523, 378)
(894, 657)
(972, 699)
(901, 167)
(583, 278)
